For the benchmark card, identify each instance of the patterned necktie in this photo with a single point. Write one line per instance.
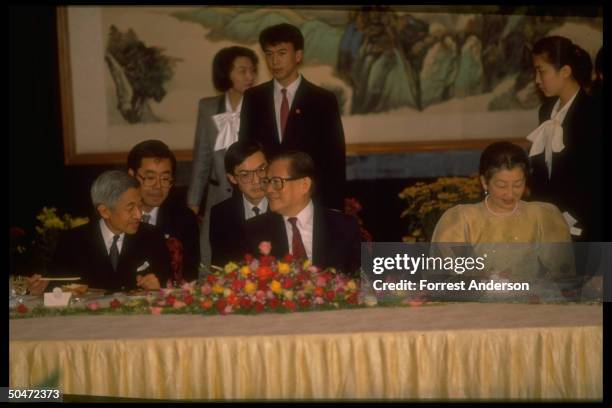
(298, 250)
(256, 211)
(284, 112)
(114, 252)
(145, 218)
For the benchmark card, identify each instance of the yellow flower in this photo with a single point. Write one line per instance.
(308, 287)
(245, 271)
(288, 294)
(351, 285)
(307, 264)
(76, 222)
(276, 287)
(230, 267)
(283, 268)
(218, 289)
(249, 287)
(227, 292)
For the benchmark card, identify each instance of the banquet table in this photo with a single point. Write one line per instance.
(456, 351)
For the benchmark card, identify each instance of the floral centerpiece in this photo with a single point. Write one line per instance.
(428, 201)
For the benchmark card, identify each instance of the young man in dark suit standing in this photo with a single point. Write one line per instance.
(290, 112)
(153, 164)
(116, 252)
(245, 166)
(297, 226)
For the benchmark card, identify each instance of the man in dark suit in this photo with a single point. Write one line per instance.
(245, 166)
(115, 252)
(154, 165)
(295, 225)
(291, 113)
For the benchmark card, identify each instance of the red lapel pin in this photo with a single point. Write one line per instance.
(298, 111)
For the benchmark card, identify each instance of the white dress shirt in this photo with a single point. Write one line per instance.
(248, 207)
(278, 100)
(305, 223)
(153, 215)
(228, 124)
(108, 235)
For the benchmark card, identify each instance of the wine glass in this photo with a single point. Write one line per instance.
(20, 286)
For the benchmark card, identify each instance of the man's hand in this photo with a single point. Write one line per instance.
(36, 286)
(148, 282)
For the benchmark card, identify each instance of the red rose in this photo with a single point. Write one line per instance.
(211, 279)
(245, 303)
(304, 303)
(319, 292)
(262, 285)
(288, 258)
(232, 275)
(330, 295)
(273, 303)
(232, 299)
(114, 304)
(206, 304)
(352, 298)
(259, 307)
(289, 305)
(22, 308)
(288, 283)
(220, 305)
(248, 258)
(170, 299)
(264, 273)
(265, 260)
(188, 299)
(238, 284)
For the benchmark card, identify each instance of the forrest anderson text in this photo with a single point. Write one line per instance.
(423, 284)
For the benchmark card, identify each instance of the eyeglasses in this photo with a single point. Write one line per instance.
(277, 182)
(150, 180)
(246, 176)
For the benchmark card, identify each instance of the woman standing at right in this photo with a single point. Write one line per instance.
(566, 150)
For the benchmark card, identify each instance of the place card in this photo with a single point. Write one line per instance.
(57, 298)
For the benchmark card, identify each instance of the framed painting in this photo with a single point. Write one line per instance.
(406, 78)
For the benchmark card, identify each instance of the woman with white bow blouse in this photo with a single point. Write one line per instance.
(566, 151)
(234, 71)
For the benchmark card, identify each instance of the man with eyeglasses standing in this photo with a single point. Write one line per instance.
(153, 164)
(245, 166)
(297, 226)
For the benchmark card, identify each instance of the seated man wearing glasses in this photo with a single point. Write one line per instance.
(295, 225)
(153, 164)
(245, 166)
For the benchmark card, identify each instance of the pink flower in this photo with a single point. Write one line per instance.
(228, 309)
(206, 289)
(178, 304)
(319, 300)
(93, 306)
(270, 294)
(156, 310)
(265, 247)
(321, 281)
(260, 295)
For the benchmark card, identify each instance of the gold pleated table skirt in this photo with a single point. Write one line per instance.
(452, 351)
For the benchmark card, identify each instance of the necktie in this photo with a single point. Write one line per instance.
(284, 112)
(114, 252)
(256, 211)
(298, 250)
(145, 218)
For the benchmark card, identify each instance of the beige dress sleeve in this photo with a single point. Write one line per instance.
(556, 252)
(451, 227)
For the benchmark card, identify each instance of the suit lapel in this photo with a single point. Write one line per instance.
(319, 236)
(101, 256)
(272, 133)
(281, 241)
(221, 104)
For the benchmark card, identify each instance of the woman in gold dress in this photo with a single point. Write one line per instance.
(524, 241)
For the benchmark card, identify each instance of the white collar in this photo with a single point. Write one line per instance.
(305, 217)
(559, 114)
(248, 207)
(108, 236)
(228, 105)
(154, 212)
(291, 88)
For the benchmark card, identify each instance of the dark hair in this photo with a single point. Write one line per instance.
(239, 152)
(502, 156)
(560, 51)
(280, 33)
(223, 63)
(149, 148)
(300, 165)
